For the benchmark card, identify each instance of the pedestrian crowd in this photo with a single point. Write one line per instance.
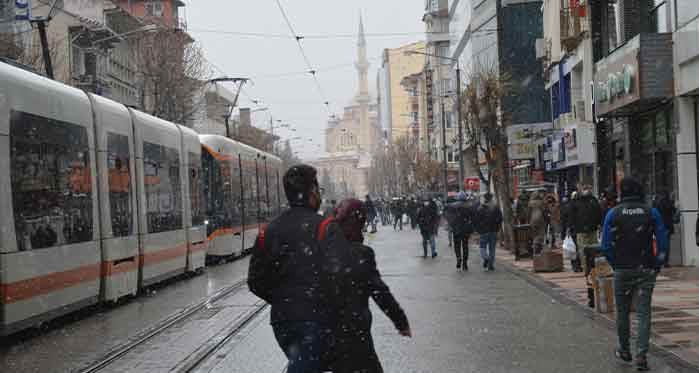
(318, 275)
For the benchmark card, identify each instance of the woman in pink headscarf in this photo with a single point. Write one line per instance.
(354, 351)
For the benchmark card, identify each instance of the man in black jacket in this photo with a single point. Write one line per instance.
(489, 218)
(460, 219)
(298, 266)
(586, 214)
(428, 221)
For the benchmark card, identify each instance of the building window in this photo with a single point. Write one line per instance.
(448, 118)
(118, 163)
(51, 182)
(451, 156)
(154, 9)
(162, 188)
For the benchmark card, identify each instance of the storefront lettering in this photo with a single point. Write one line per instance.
(617, 84)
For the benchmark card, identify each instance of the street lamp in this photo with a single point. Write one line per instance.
(458, 113)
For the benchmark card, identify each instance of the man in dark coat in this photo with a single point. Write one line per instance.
(428, 221)
(459, 216)
(489, 217)
(397, 212)
(587, 219)
(354, 349)
(298, 266)
(371, 213)
(411, 210)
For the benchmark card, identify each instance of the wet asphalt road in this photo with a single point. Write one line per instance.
(462, 322)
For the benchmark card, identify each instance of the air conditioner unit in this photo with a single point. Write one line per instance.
(540, 48)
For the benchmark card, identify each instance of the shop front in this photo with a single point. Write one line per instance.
(567, 157)
(634, 105)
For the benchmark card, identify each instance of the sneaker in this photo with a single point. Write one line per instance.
(434, 255)
(458, 264)
(491, 267)
(465, 266)
(642, 364)
(624, 356)
(485, 264)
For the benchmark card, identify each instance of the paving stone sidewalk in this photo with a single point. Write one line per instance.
(675, 319)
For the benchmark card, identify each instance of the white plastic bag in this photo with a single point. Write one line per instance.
(569, 249)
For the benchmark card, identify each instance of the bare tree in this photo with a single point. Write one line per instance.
(486, 124)
(174, 72)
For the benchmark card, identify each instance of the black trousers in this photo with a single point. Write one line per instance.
(398, 220)
(355, 353)
(461, 246)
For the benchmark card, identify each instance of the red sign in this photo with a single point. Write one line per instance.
(472, 183)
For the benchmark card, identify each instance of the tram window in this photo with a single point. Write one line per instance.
(118, 163)
(196, 190)
(162, 187)
(51, 182)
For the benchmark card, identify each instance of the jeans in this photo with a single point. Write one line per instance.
(626, 283)
(305, 344)
(488, 241)
(428, 238)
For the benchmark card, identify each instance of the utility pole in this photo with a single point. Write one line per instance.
(41, 24)
(458, 123)
(444, 151)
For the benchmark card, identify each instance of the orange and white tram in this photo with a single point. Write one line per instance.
(98, 200)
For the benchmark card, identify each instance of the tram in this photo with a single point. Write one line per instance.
(100, 201)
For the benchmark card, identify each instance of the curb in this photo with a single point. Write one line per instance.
(680, 360)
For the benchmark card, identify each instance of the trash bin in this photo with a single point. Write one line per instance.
(523, 241)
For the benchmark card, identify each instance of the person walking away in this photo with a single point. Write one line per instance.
(460, 220)
(371, 213)
(297, 267)
(354, 350)
(412, 209)
(537, 221)
(567, 229)
(587, 219)
(489, 219)
(627, 242)
(522, 208)
(553, 212)
(428, 222)
(397, 210)
(667, 210)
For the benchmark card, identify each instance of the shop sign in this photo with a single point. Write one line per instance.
(617, 81)
(472, 184)
(523, 139)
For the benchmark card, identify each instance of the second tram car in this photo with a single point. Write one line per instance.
(100, 200)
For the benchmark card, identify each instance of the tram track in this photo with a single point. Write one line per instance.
(149, 334)
(228, 335)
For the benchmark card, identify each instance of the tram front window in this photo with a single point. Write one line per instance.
(51, 182)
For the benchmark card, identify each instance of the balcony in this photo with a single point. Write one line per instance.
(573, 27)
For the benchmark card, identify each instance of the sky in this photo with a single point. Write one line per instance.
(280, 81)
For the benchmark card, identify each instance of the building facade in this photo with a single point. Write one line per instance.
(499, 37)
(398, 63)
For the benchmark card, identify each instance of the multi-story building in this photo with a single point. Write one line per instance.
(414, 85)
(685, 21)
(89, 47)
(440, 89)
(499, 37)
(633, 95)
(165, 13)
(397, 63)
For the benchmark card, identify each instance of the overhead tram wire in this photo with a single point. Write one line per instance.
(311, 71)
(313, 36)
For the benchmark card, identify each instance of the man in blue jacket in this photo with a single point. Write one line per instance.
(627, 242)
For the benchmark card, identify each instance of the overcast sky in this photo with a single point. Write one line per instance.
(294, 98)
